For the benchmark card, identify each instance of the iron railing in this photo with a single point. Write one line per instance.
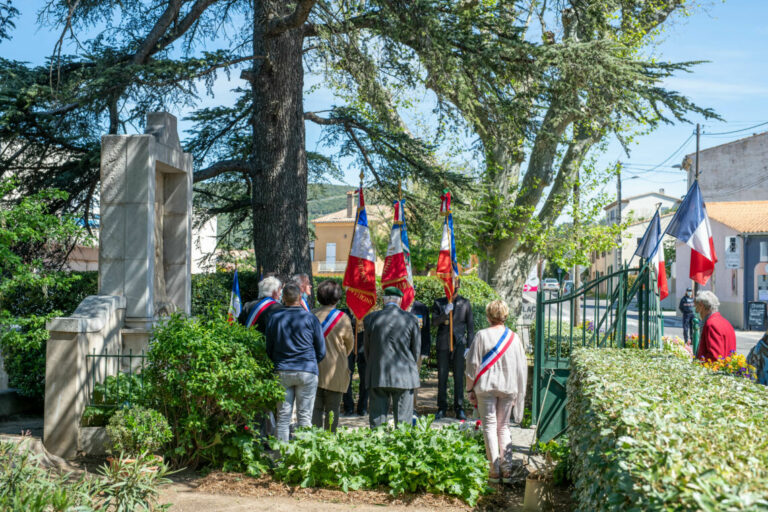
(616, 310)
(114, 380)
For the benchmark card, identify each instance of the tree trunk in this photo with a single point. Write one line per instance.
(279, 175)
(507, 269)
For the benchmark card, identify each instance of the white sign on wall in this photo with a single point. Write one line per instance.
(732, 252)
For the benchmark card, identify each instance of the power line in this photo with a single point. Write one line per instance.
(737, 131)
(675, 152)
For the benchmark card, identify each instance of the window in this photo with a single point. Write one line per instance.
(311, 251)
(330, 253)
(763, 251)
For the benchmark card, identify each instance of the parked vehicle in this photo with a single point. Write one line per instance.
(567, 287)
(550, 284)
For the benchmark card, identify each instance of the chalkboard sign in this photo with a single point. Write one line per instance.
(756, 315)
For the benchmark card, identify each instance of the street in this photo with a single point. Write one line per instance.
(673, 325)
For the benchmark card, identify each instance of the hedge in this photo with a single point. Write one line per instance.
(651, 431)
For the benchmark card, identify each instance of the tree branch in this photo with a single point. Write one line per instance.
(365, 157)
(162, 24)
(311, 116)
(293, 20)
(221, 167)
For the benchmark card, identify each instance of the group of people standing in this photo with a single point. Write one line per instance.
(315, 353)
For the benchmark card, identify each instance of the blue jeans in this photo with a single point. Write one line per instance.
(299, 386)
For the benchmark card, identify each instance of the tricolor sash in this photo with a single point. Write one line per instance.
(258, 309)
(333, 318)
(304, 304)
(493, 355)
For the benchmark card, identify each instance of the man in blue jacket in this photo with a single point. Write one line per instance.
(295, 344)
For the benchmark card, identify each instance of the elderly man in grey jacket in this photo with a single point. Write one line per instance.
(392, 344)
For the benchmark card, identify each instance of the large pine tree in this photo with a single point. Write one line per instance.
(534, 85)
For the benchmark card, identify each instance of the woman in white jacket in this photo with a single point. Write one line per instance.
(496, 373)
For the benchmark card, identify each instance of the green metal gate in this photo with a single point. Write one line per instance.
(620, 310)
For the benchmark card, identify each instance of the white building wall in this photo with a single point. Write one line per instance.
(727, 284)
(735, 171)
(204, 247)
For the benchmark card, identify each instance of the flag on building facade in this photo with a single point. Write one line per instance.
(447, 266)
(395, 272)
(235, 304)
(650, 247)
(360, 274)
(691, 226)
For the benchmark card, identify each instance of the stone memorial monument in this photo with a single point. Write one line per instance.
(144, 273)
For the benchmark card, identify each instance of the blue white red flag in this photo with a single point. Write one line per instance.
(650, 247)
(406, 243)
(360, 274)
(235, 304)
(447, 266)
(395, 271)
(691, 226)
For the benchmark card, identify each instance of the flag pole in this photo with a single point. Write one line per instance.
(351, 240)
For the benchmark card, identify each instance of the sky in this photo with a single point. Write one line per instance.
(731, 35)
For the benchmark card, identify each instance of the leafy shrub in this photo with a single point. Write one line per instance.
(210, 380)
(406, 459)
(122, 390)
(136, 430)
(650, 431)
(122, 486)
(24, 353)
(64, 295)
(557, 452)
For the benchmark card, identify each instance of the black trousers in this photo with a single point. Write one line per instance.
(454, 362)
(349, 398)
(687, 327)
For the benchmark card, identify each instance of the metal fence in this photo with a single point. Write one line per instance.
(114, 379)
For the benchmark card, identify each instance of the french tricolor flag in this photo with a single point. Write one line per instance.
(396, 266)
(691, 225)
(447, 267)
(650, 247)
(360, 274)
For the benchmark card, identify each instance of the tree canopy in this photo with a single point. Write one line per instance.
(535, 87)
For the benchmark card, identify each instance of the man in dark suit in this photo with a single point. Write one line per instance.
(421, 312)
(392, 347)
(348, 400)
(257, 312)
(463, 333)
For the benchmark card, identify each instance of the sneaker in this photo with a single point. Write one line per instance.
(461, 415)
(440, 414)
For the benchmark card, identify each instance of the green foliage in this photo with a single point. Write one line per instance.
(23, 344)
(123, 486)
(136, 430)
(405, 459)
(133, 484)
(210, 380)
(33, 241)
(122, 390)
(557, 452)
(64, 295)
(651, 431)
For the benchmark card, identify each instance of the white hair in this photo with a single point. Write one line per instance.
(299, 279)
(268, 286)
(392, 298)
(707, 299)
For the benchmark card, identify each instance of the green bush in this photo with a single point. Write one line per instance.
(122, 390)
(651, 431)
(210, 380)
(68, 291)
(405, 459)
(23, 343)
(136, 430)
(121, 486)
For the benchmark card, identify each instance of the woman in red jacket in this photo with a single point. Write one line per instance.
(718, 339)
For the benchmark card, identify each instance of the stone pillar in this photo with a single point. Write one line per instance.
(131, 262)
(94, 328)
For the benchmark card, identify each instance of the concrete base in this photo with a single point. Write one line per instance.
(11, 403)
(93, 440)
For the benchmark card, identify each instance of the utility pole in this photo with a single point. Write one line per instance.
(620, 263)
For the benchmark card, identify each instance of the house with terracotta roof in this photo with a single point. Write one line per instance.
(740, 236)
(333, 236)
